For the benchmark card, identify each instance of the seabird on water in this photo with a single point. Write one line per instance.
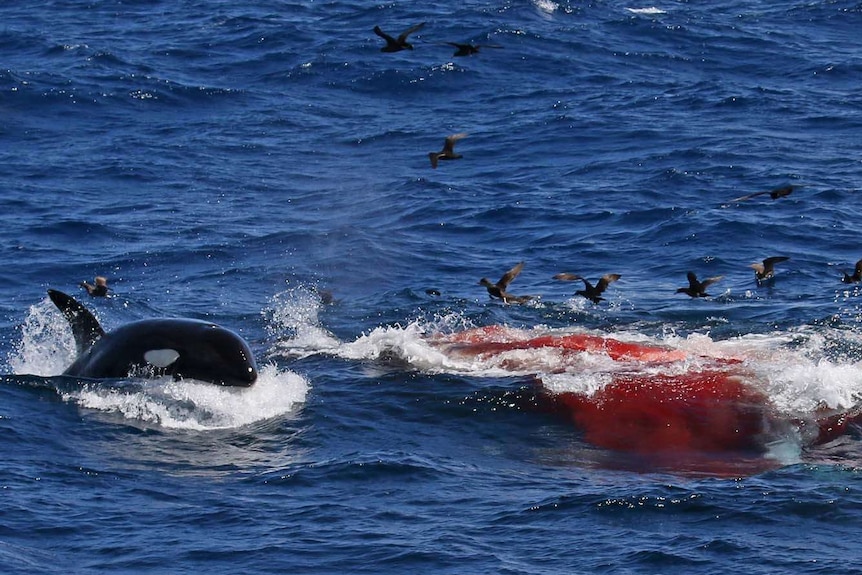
(857, 274)
(766, 270)
(98, 290)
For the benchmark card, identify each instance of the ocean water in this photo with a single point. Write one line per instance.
(263, 165)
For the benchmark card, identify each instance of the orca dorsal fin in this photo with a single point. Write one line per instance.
(85, 327)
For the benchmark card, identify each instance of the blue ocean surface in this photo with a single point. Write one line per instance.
(264, 166)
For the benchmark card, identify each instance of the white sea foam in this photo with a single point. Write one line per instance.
(649, 10)
(797, 369)
(546, 6)
(793, 368)
(196, 405)
(46, 346)
(293, 320)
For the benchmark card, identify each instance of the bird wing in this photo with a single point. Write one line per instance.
(510, 275)
(692, 280)
(709, 281)
(409, 31)
(383, 35)
(859, 267)
(509, 298)
(567, 277)
(605, 280)
(769, 263)
(748, 197)
(449, 145)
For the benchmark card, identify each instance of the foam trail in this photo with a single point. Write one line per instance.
(798, 370)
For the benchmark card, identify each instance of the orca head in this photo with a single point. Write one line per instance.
(183, 348)
(216, 355)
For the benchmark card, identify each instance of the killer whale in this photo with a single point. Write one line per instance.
(181, 348)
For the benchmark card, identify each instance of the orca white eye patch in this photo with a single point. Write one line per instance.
(161, 358)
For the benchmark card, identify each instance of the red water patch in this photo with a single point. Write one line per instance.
(491, 340)
(700, 411)
(715, 409)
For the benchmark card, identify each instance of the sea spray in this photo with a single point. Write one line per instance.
(46, 346)
(195, 405)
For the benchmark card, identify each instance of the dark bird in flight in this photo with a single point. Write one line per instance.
(498, 289)
(469, 49)
(400, 43)
(448, 151)
(857, 274)
(696, 288)
(766, 270)
(592, 293)
(774, 194)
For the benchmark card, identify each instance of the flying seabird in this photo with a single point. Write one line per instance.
(469, 49)
(774, 194)
(397, 44)
(448, 151)
(498, 289)
(696, 288)
(592, 293)
(766, 270)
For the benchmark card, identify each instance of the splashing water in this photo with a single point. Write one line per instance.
(46, 347)
(292, 318)
(799, 371)
(195, 405)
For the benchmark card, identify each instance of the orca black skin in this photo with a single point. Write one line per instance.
(181, 348)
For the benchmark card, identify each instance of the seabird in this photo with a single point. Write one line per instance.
(774, 194)
(696, 288)
(448, 151)
(498, 289)
(592, 293)
(469, 49)
(766, 270)
(98, 290)
(397, 44)
(857, 274)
